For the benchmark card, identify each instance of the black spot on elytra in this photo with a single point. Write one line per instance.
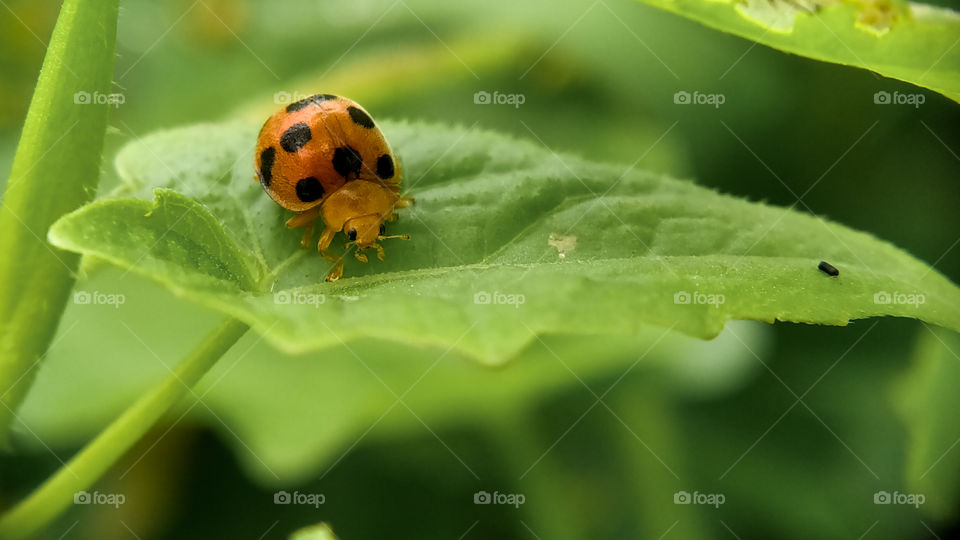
(309, 189)
(303, 103)
(266, 165)
(385, 166)
(295, 137)
(346, 160)
(359, 117)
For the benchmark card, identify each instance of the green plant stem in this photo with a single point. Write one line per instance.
(55, 171)
(54, 495)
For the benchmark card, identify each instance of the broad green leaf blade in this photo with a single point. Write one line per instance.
(186, 242)
(483, 272)
(912, 42)
(55, 171)
(928, 400)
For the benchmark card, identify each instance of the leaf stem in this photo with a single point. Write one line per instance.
(54, 495)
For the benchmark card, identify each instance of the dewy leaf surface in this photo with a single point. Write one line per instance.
(483, 272)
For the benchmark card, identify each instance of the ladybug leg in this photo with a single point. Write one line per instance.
(359, 254)
(402, 202)
(304, 219)
(307, 236)
(325, 240)
(336, 272)
(380, 253)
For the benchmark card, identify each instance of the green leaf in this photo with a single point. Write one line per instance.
(253, 385)
(87, 466)
(910, 41)
(186, 242)
(928, 399)
(489, 212)
(55, 171)
(321, 531)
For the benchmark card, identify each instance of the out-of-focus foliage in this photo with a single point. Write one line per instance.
(599, 80)
(910, 41)
(314, 532)
(928, 400)
(329, 399)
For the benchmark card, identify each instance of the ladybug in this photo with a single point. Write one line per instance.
(324, 157)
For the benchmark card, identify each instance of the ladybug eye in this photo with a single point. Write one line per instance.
(382, 229)
(352, 234)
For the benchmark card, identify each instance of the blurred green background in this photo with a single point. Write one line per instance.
(598, 80)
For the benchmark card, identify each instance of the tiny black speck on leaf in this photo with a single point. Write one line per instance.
(828, 269)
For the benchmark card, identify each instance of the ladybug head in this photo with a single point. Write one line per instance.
(365, 231)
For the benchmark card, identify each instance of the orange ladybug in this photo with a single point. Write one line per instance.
(323, 156)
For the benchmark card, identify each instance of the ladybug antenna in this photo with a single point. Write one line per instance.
(400, 236)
